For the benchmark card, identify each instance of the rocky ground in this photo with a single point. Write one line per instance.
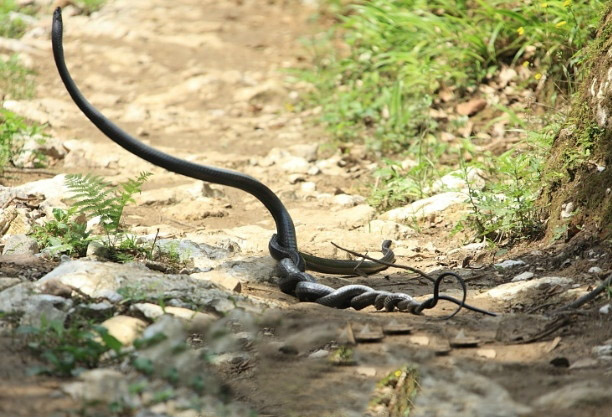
(204, 80)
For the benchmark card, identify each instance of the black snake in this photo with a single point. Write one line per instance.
(283, 245)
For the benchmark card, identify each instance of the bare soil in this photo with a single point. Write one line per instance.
(152, 47)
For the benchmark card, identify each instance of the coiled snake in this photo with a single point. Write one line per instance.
(283, 245)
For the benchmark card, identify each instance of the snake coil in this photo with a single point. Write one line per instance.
(283, 245)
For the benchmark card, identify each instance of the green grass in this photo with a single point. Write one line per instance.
(12, 25)
(398, 56)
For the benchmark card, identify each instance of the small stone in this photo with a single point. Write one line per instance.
(509, 263)
(295, 178)
(97, 249)
(20, 245)
(314, 170)
(584, 363)
(487, 353)
(567, 211)
(308, 187)
(605, 309)
(366, 371)
(419, 340)
(595, 270)
(602, 350)
(295, 165)
(221, 278)
(124, 328)
(523, 277)
(346, 200)
(6, 282)
(319, 354)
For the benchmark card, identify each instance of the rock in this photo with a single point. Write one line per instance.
(387, 229)
(425, 207)
(512, 289)
(22, 298)
(509, 263)
(308, 151)
(458, 393)
(54, 189)
(455, 181)
(96, 249)
(220, 278)
(134, 281)
(15, 221)
(571, 396)
(595, 270)
(308, 187)
(605, 309)
(153, 311)
(124, 328)
(568, 210)
(345, 200)
(319, 354)
(471, 107)
(7, 282)
(295, 165)
(603, 350)
(99, 385)
(523, 277)
(36, 147)
(20, 245)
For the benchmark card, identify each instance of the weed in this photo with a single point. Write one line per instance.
(15, 80)
(95, 197)
(13, 19)
(505, 208)
(402, 52)
(63, 234)
(13, 130)
(67, 350)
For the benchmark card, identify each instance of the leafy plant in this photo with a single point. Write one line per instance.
(13, 129)
(63, 234)
(67, 350)
(506, 208)
(95, 197)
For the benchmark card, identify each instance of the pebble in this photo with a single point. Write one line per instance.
(605, 309)
(509, 263)
(523, 277)
(20, 245)
(595, 270)
(346, 200)
(308, 187)
(567, 211)
(318, 354)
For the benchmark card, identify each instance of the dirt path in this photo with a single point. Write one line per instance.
(203, 80)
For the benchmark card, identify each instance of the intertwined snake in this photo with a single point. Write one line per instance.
(283, 245)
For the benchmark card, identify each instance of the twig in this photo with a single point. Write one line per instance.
(587, 297)
(548, 330)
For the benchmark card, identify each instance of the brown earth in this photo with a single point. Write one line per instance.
(173, 73)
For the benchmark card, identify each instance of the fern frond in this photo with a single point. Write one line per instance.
(95, 197)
